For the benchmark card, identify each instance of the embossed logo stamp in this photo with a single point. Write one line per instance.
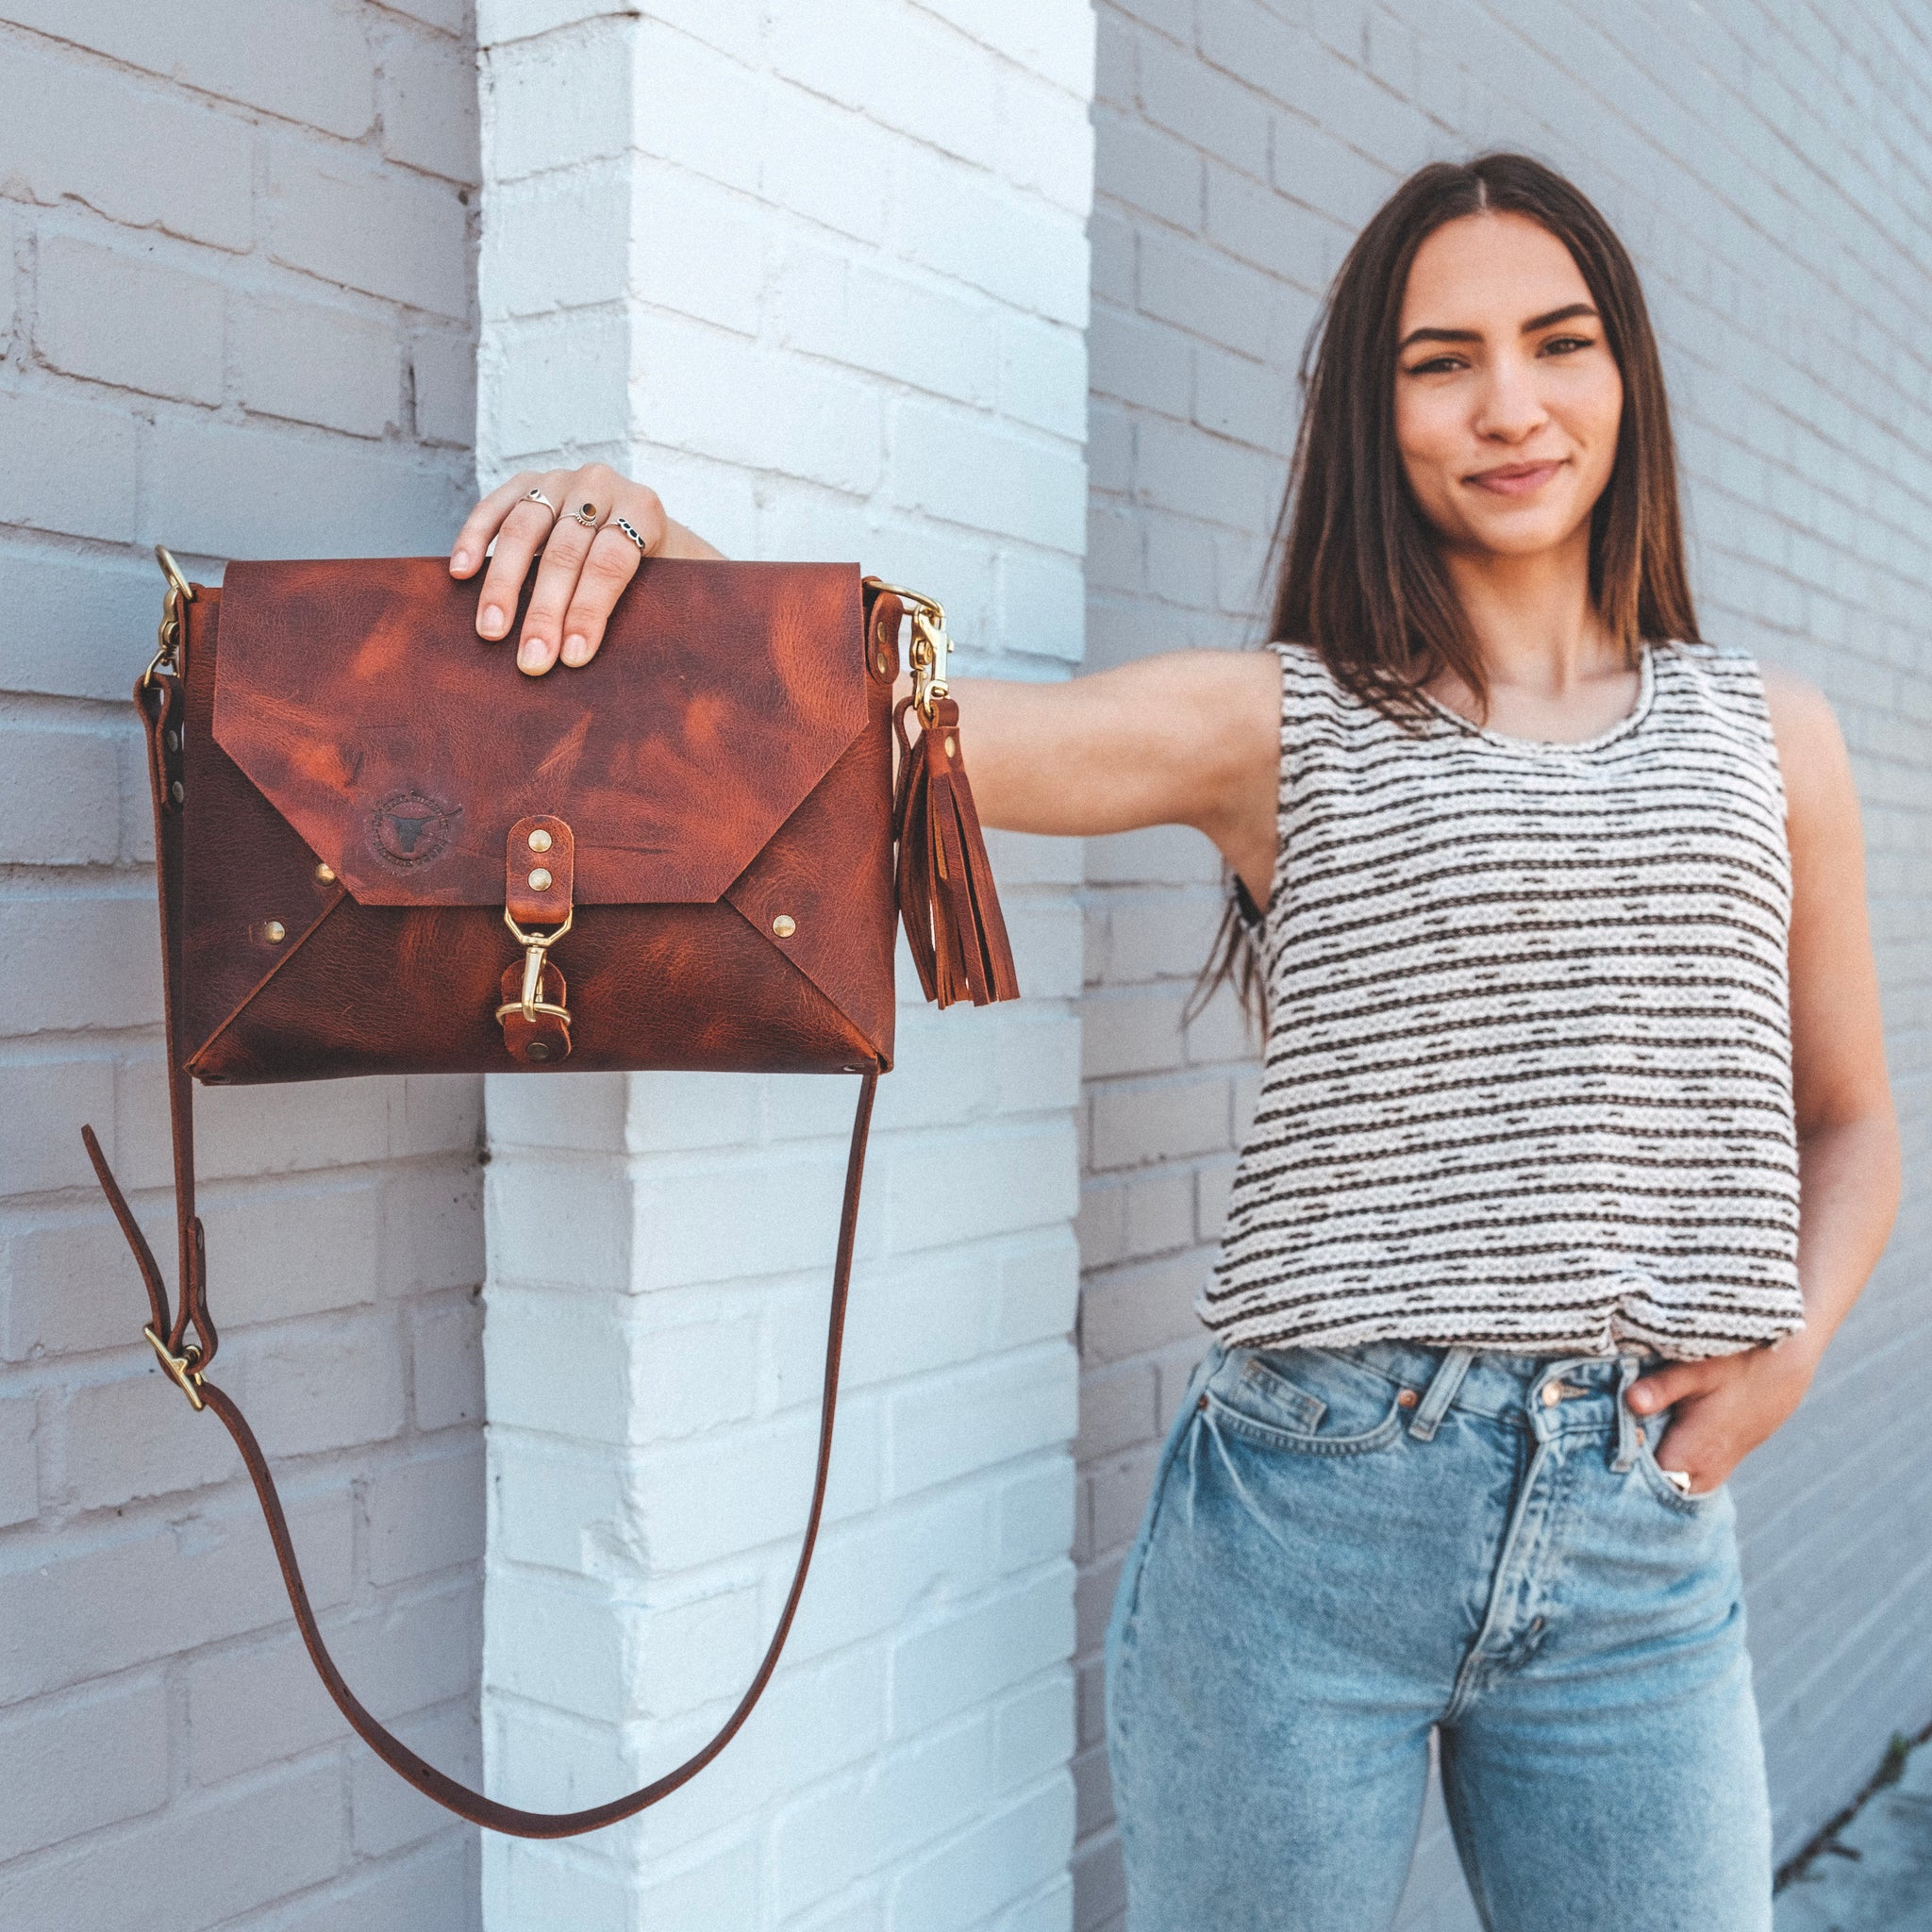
(410, 830)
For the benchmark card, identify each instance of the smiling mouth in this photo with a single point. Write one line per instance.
(1515, 480)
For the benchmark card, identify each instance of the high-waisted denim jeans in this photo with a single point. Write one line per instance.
(1345, 1549)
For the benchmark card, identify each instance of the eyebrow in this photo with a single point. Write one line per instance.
(1470, 335)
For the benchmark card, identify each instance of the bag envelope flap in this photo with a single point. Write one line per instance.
(403, 747)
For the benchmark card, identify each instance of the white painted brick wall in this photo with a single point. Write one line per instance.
(818, 272)
(1767, 162)
(236, 314)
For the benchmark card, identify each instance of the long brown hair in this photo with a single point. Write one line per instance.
(1360, 574)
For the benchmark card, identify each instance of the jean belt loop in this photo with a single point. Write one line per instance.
(1440, 1393)
(1629, 1438)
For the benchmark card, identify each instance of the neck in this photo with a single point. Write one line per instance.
(1535, 630)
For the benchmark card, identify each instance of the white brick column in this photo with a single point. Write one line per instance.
(820, 273)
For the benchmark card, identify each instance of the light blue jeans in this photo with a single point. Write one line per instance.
(1345, 1549)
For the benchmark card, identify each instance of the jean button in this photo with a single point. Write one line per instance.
(1408, 1399)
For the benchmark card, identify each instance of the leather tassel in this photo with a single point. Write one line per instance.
(947, 900)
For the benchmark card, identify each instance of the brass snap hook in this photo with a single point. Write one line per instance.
(179, 592)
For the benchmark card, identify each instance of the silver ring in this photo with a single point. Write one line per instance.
(586, 514)
(538, 496)
(624, 523)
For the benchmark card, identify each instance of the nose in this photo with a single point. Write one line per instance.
(1509, 408)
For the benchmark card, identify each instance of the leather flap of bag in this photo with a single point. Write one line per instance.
(402, 748)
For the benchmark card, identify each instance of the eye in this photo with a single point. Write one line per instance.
(1567, 345)
(1436, 365)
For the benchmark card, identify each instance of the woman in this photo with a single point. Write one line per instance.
(1559, 917)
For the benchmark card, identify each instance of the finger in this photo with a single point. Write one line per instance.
(593, 490)
(609, 564)
(482, 523)
(585, 503)
(601, 583)
(557, 583)
(1681, 1450)
(523, 531)
(641, 506)
(1649, 1393)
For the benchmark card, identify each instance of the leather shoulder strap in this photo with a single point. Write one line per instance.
(187, 1359)
(433, 1783)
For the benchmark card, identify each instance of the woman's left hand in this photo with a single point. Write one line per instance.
(1725, 1407)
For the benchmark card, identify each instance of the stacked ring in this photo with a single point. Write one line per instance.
(624, 523)
(538, 496)
(586, 514)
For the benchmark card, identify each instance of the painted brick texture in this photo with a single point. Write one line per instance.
(236, 315)
(1766, 162)
(819, 273)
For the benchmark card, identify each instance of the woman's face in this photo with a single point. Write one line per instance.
(1507, 396)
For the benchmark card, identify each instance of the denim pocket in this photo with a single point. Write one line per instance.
(1661, 1486)
(1310, 1400)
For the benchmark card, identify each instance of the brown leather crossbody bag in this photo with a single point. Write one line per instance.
(381, 849)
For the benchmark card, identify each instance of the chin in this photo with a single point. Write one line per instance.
(1523, 531)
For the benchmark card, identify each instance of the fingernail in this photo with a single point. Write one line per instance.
(576, 650)
(459, 560)
(491, 622)
(533, 657)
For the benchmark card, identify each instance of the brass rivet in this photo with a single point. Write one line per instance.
(326, 873)
(171, 740)
(952, 746)
(883, 662)
(1408, 1399)
(540, 880)
(274, 932)
(536, 1050)
(177, 792)
(784, 925)
(540, 840)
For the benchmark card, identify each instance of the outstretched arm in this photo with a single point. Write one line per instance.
(1189, 739)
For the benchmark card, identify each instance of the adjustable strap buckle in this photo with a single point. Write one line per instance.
(184, 1368)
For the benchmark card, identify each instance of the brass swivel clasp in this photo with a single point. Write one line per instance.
(931, 648)
(535, 945)
(180, 591)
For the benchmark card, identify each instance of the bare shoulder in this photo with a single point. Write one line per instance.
(1216, 678)
(1226, 703)
(1820, 798)
(1819, 791)
(1237, 698)
(1211, 722)
(1250, 680)
(1798, 709)
(1240, 688)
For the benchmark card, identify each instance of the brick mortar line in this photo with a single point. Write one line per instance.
(173, 88)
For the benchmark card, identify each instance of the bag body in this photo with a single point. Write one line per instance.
(380, 848)
(353, 758)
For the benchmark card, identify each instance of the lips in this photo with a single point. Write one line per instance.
(1515, 480)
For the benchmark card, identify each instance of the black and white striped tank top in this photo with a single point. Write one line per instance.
(1528, 1076)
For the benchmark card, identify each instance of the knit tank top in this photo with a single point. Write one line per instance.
(1529, 1078)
